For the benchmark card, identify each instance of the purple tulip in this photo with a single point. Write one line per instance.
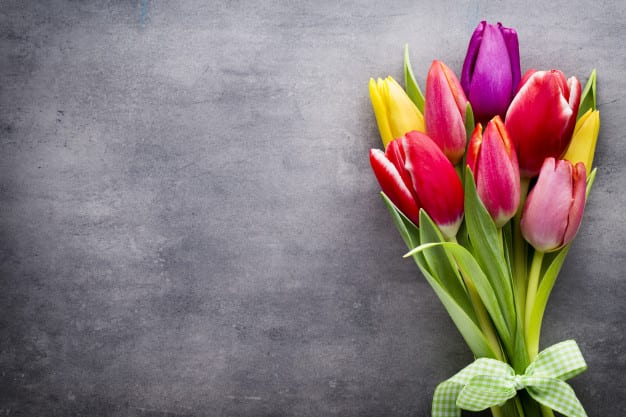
(491, 71)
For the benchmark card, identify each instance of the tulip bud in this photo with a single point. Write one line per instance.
(541, 118)
(491, 157)
(554, 208)
(491, 71)
(583, 144)
(444, 111)
(414, 173)
(395, 113)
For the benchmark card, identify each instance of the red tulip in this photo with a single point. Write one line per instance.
(414, 173)
(541, 117)
(491, 157)
(444, 111)
(555, 205)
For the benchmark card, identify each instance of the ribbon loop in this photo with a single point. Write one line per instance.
(487, 382)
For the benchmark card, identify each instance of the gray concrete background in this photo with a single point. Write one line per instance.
(189, 225)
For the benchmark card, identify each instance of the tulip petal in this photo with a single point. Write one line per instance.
(491, 84)
(473, 148)
(392, 185)
(444, 111)
(395, 154)
(402, 112)
(470, 57)
(526, 77)
(497, 175)
(577, 208)
(583, 144)
(380, 112)
(512, 45)
(546, 212)
(539, 118)
(435, 181)
(574, 89)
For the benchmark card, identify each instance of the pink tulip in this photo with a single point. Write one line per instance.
(444, 111)
(541, 117)
(491, 157)
(414, 173)
(554, 208)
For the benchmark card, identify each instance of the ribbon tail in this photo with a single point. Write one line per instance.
(444, 400)
(557, 395)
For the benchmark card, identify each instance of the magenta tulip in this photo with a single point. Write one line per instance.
(555, 205)
(491, 71)
(491, 157)
(444, 111)
(541, 118)
(414, 173)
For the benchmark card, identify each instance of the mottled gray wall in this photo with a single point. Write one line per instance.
(189, 225)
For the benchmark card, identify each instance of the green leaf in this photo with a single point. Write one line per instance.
(464, 322)
(507, 239)
(442, 265)
(470, 124)
(468, 328)
(519, 358)
(590, 180)
(471, 270)
(409, 232)
(463, 237)
(412, 88)
(489, 252)
(588, 97)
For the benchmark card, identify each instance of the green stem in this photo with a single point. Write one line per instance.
(484, 321)
(532, 342)
(500, 240)
(519, 255)
(496, 412)
(531, 407)
(546, 411)
(518, 404)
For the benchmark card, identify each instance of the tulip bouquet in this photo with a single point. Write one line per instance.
(486, 179)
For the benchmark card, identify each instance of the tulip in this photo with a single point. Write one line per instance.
(395, 113)
(541, 118)
(491, 71)
(583, 144)
(414, 173)
(444, 111)
(491, 157)
(554, 208)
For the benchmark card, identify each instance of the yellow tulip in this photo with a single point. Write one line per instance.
(395, 113)
(583, 144)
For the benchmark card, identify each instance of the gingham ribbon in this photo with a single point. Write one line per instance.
(488, 382)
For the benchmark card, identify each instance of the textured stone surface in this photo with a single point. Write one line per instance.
(189, 226)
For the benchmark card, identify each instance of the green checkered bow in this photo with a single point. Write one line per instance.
(488, 382)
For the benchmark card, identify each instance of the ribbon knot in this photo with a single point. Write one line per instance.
(487, 382)
(518, 382)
